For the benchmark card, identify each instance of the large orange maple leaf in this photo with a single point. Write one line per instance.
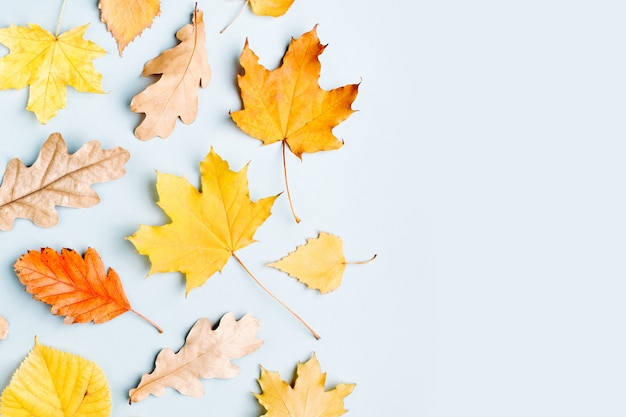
(287, 104)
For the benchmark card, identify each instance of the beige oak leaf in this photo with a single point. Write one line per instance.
(56, 178)
(182, 70)
(319, 263)
(207, 353)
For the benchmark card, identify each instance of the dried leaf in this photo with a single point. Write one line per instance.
(272, 8)
(48, 64)
(319, 263)
(306, 398)
(4, 328)
(207, 353)
(182, 69)
(75, 287)
(207, 227)
(127, 19)
(50, 382)
(287, 104)
(57, 178)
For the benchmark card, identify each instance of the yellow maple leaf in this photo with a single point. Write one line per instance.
(50, 382)
(127, 19)
(183, 69)
(207, 226)
(48, 64)
(306, 398)
(319, 263)
(287, 104)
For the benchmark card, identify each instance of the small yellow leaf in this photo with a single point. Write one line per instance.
(272, 8)
(48, 64)
(126, 19)
(306, 398)
(319, 263)
(50, 382)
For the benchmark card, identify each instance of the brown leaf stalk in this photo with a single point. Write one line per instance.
(313, 332)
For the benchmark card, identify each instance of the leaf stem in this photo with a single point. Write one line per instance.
(361, 262)
(236, 17)
(156, 326)
(295, 216)
(60, 18)
(317, 336)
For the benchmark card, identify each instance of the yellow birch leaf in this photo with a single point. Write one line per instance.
(306, 398)
(127, 19)
(48, 64)
(319, 263)
(50, 383)
(207, 226)
(272, 8)
(183, 69)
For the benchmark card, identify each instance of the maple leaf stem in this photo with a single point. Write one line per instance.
(236, 17)
(361, 262)
(156, 326)
(295, 216)
(317, 336)
(60, 18)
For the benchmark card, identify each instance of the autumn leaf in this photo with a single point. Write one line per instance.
(272, 8)
(57, 178)
(50, 382)
(207, 353)
(48, 64)
(183, 69)
(287, 104)
(207, 226)
(306, 398)
(319, 263)
(4, 328)
(75, 287)
(127, 19)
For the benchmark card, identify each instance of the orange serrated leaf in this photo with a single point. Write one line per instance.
(75, 287)
(57, 178)
(127, 19)
(272, 8)
(306, 398)
(207, 353)
(183, 69)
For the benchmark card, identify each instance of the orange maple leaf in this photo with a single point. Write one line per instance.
(75, 287)
(183, 69)
(287, 104)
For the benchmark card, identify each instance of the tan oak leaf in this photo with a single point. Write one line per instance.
(207, 353)
(57, 178)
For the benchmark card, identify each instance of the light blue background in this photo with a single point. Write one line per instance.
(485, 167)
